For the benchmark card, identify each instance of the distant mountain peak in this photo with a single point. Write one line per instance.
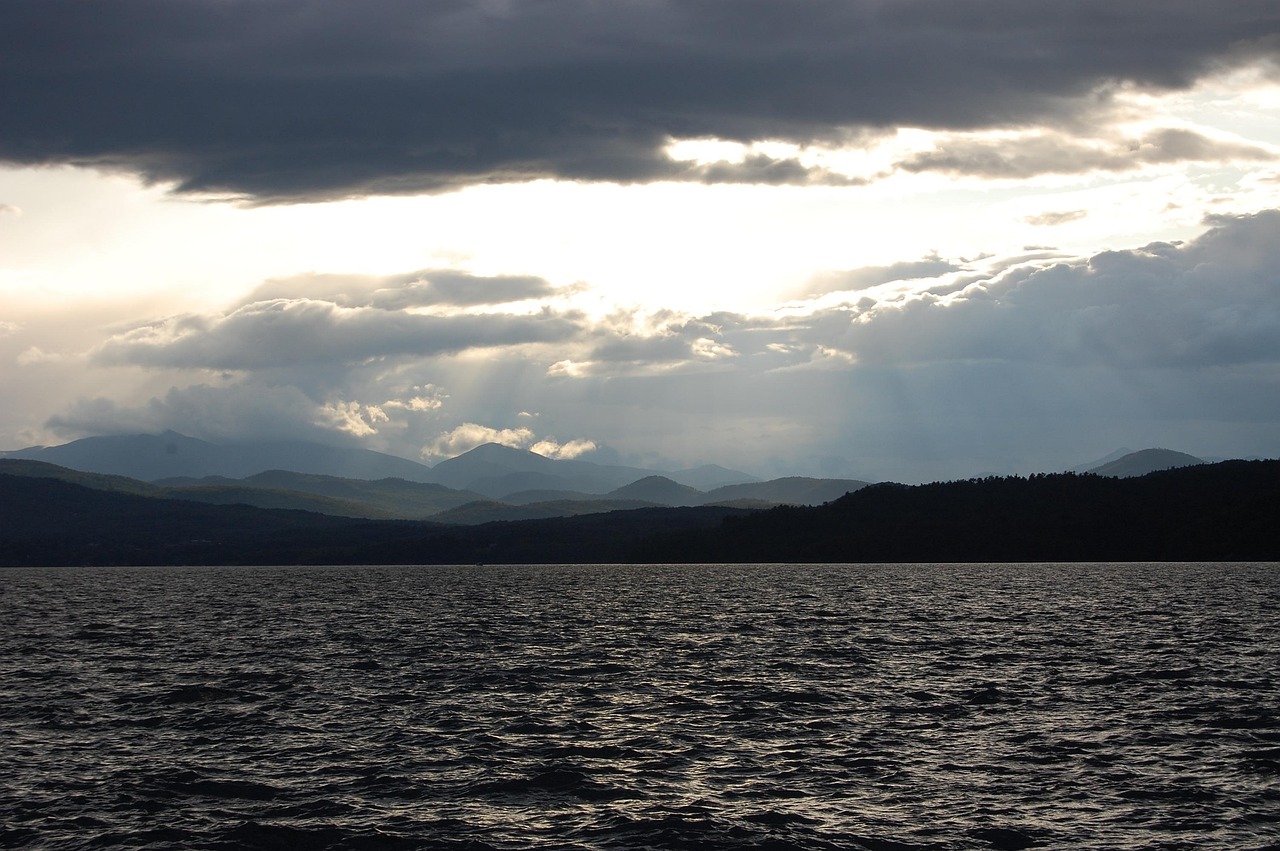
(1105, 459)
(709, 476)
(1145, 461)
(659, 489)
(496, 450)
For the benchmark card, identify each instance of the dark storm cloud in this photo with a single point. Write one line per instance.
(307, 333)
(300, 99)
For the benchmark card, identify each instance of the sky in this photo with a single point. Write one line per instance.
(883, 239)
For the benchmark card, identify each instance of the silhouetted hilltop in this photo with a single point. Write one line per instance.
(661, 490)
(1145, 461)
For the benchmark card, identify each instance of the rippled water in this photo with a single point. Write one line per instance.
(874, 707)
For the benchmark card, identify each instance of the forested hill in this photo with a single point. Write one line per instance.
(1225, 512)
(1219, 512)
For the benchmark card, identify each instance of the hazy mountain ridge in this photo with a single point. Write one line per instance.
(378, 499)
(711, 476)
(150, 457)
(489, 471)
(393, 498)
(495, 470)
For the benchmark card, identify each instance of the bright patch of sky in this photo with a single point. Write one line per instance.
(788, 291)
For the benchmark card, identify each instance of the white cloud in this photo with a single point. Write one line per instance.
(1056, 218)
(426, 398)
(706, 348)
(36, 355)
(1029, 355)
(563, 451)
(352, 418)
(470, 435)
(567, 369)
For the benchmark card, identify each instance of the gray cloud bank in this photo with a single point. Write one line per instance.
(1209, 302)
(1214, 301)
(1045, 362)
(306, 332)
(1060, 154)
(304, 99)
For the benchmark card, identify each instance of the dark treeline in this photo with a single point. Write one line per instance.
(1218, 512)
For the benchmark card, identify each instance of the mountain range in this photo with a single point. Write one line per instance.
(1206, 512)
(490, 482)
(491, 469)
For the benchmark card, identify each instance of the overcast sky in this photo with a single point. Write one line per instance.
(887, 239)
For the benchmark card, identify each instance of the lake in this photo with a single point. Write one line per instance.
(617, 707)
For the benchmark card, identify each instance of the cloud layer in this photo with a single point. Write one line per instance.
(312, 333)
(306, 99)
(883, 372)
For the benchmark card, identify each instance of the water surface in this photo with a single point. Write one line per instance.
(603, 707)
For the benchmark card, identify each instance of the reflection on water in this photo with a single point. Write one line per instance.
(877, 707)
